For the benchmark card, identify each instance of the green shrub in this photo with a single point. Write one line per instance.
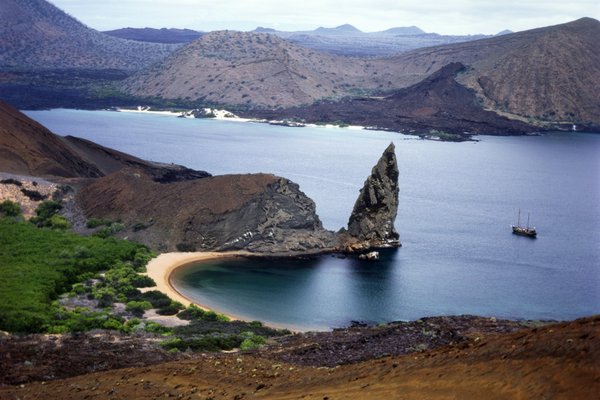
(171, 309)
(58, 222)
(174, 343)
(139, 226)
(96, 222)
(46, 210)
(113, 228)
(79, 288)
(191, 313)
(82, 319)
(154, 327)
(138, 308)
(33, 194)
(10, 208)
(156, 298)
(251, 341)
(142, 281)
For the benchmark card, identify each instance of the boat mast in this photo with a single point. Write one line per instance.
(527, 220)
(519, 218)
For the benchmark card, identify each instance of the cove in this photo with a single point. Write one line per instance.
(457, 201)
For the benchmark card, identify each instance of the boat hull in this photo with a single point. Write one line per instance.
(529, 232)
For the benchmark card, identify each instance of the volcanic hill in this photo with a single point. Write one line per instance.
(542, 77)
(254, 69)
(438, 106)
(34, 34)
(549, 74)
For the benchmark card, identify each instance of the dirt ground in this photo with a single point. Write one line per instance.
(557, 361)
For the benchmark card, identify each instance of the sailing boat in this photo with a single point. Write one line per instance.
(523, 230)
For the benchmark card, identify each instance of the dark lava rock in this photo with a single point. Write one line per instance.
(255, 212)
(374, 213)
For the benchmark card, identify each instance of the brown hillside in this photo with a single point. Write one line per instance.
(559, 361)
(255, 212)
(34, 34)
(437, 103)
(254, 69)
(547, 74)
(28, 148)
(550, 73)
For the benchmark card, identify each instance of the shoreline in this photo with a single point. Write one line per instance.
(224, 115)
(161, 267)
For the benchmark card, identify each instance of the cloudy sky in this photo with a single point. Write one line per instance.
(441, 16)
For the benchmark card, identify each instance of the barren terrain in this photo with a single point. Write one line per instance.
(557, 361)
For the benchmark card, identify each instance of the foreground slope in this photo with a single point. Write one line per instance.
(555, 361)
(34, 34)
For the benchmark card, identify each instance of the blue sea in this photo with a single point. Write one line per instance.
(457, 202)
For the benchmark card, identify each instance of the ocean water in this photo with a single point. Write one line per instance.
(457, 201)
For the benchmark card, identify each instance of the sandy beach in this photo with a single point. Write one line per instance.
(160, 269)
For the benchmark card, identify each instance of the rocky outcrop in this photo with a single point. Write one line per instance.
(256, 212)
(372, 220)
(260, 213)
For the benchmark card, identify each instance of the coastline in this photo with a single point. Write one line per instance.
(161, 267)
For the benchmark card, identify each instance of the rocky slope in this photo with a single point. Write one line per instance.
(558, 361)
(546, 74)
(254, 69)
(255, 212)
(436, 106)
(34, 34)
(28, 148)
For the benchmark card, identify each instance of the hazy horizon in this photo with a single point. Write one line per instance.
(458, 17)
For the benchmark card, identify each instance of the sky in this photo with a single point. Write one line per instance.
(450, 17)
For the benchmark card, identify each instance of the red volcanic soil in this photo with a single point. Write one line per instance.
(558, 361)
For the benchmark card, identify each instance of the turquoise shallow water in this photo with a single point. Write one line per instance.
(457, 201)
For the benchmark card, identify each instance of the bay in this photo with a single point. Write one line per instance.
(457, 201)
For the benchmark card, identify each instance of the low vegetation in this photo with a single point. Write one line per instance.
(53, 281)
(36, 265)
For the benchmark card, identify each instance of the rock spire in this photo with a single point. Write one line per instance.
(374, 213)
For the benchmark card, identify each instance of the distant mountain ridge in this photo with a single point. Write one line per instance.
(341, 40)
(347, 40)
(540, 76)
(34, 34)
